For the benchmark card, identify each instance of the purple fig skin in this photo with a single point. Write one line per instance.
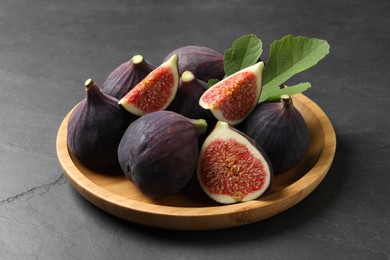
(280, 130)
(120, 81)
(95, 129)
(205, 63)
(159, 152)
(186, 101)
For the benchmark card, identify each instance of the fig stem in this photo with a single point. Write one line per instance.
(200, 124)
(187, 76)
(222, 124)
(89, 83)
(137, 59)
(286, 99)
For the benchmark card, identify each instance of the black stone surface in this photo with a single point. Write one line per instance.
(49, 48)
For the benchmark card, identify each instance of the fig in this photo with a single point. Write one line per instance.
(95, 128)
(155, 92)
(159, 152)
(232, 99)
(231, 167)
(279, 128)
(121, 80)
(186, 101)
(205, 63)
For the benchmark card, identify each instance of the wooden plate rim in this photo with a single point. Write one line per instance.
(290, 195)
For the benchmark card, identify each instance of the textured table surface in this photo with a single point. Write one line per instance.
(49, 48)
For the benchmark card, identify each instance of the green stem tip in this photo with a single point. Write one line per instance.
(89, 83)
(200, 124)
(137, 59)
(187, 76)
(286, 99)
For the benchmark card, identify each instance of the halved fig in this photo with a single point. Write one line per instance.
(155, 92)
(231, 167)
(121, 80)
(232, 99)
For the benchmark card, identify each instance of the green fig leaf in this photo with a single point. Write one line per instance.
(269, 94)
(245, 51)
(289, 56)
(212, 82)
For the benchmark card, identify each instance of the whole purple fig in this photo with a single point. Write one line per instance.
(205, 63)
(95, 128)
(159, 152)
(186, 101)
(126, 76)
(280, 130)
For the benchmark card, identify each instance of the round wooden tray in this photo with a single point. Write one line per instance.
(191, 209)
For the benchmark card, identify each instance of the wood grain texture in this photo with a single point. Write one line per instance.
(191, 209)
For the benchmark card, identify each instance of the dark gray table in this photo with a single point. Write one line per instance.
(49, 48)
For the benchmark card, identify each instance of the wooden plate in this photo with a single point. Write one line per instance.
(191, 209)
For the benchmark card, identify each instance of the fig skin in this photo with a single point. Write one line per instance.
(280, 129)
(121, 80)
(159, 152)
(95, 128)
(186, 101)
(205, 63)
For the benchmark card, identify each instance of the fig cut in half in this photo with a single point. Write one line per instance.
(155, 92)
(231, 168)
(232, 99)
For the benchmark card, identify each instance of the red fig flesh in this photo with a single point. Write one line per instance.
(155, 92)
(232, 99)
(231, 168)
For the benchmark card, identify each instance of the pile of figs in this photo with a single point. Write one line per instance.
(163, 125)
